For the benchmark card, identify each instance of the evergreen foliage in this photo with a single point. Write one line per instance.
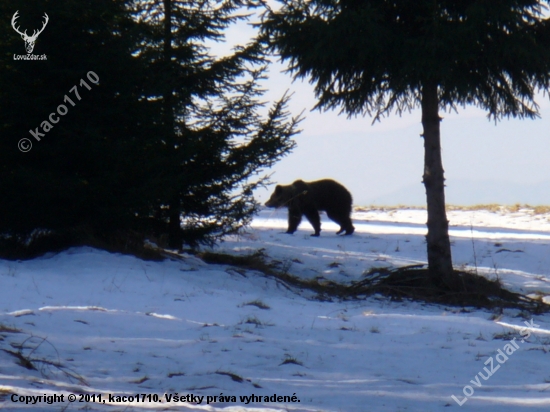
(80, 175)
(211, 137)
(373, 56)
(165, 126)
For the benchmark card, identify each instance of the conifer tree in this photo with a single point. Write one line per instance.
(80, 110)
(211, 140)
(135, 128)
(378, 56)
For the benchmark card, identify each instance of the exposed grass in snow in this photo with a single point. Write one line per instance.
(258, 303)
(48, 367)
(489, 207)
(473, 290)
(265, 328)
(409, 282)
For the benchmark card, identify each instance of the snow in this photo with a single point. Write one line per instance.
(93, 322)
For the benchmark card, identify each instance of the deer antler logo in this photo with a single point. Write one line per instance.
(29, 40)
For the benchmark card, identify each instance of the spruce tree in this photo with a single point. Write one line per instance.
(78, 109)
(378, 56)
(211, 140)
(135, 128)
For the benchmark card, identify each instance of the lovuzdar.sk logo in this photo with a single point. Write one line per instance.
(29, 40)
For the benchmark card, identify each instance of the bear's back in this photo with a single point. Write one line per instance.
(327, 194)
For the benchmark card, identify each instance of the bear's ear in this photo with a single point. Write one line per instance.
(278, 189)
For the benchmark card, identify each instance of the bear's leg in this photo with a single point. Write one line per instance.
(347, 225)
(335, 218)
(344, 221)
(313, 217)
(294, 219)
(350, 228)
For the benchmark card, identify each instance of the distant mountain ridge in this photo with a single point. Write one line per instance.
(467, 192)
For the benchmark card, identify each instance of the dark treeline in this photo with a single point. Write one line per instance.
(169, 143)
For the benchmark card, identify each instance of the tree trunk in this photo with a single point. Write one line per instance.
(440, 264)
(175, 240)
(174, 224)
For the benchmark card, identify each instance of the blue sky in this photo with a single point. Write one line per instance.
(507, 162)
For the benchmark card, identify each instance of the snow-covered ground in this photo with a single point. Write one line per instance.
(95, 323)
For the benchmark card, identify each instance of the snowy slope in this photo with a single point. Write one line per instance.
(92, 322)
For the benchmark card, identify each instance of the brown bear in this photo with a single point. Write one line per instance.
(308, 198)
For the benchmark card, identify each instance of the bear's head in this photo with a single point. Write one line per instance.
(279, 198)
